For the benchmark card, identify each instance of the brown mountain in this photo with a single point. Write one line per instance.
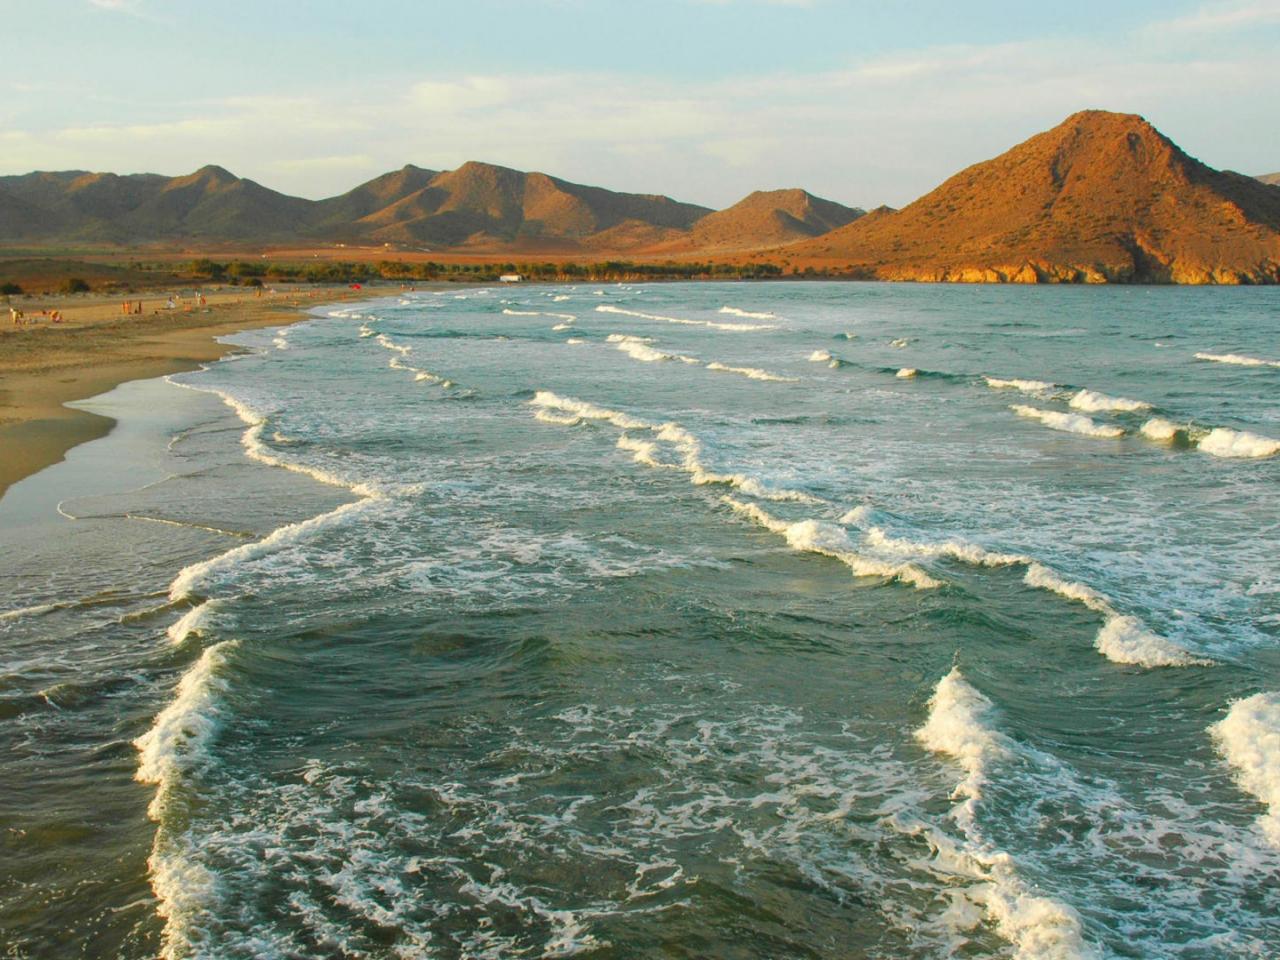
(336, 214)
(765, 218)
(1101, 197)
(482, 205)
(1271, 178)
(210, 204)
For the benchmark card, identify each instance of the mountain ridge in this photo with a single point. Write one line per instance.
(1102, 197)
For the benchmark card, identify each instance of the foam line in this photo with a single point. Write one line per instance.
(1237, 359)
(738, 327)
(830, 540)
(566, 411)
(747, 314)
(1035, 388)
(960, 726)
(1092, 402)
(1121, 639)
(1069, 422)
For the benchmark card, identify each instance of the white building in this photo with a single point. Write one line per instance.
(510, 278)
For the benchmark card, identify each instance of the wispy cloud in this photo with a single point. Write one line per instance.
(878, 129)
(1223, 17)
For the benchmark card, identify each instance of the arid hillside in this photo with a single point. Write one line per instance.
(1101, 197)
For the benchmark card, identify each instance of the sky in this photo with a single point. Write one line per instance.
(704, 100)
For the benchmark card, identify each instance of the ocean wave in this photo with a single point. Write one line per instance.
(1036, 388)
(1224, 442)
(753, 373)
(749, 315)
(419, 375)
(638, 348)
(1237, 359)
(830, 540)
(907, 373)
(1093, 402)
(1121, 639)
(1248, 738)
(1069, 422)
(1163, 431)
(178, 741)
(195, 621)
(738, 327)
(191, 579)
(960, 726)
(566, 411)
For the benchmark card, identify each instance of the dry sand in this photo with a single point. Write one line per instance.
(44, 365)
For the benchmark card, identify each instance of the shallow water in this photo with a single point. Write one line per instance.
(771, 620)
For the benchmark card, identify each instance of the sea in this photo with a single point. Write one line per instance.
(732, 620)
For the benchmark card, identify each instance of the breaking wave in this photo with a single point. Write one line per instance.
(1237, 359)
(830, 540)
(1122, 638)
(1092, 402)
(959, 726)
(1069, 422)
(1036, 388)
(1248, 738)
(753, 373)
(1224, 442)
(686, 448)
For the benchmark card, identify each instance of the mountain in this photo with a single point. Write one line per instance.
(766, 218)
(210, 204)
(478, 206)
(1101, 197)
(1271, 178)
(337, 213)
(482, 205)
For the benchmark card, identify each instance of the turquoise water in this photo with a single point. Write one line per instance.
(732, 620)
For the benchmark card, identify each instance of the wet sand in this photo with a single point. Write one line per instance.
(43, 366)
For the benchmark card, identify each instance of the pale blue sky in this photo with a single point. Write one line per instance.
(705, 100)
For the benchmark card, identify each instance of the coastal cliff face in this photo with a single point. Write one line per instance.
(1101, 198)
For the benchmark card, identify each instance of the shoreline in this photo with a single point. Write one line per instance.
(44, 369)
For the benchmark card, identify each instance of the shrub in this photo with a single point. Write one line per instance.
(74, 285)
(9, 289)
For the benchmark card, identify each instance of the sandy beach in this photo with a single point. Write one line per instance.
(44, 365)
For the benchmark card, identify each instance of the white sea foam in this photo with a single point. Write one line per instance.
(1161, 430)
(520, 313)
(1248, 737)
(191, 579)
(563, 326)
(194, 621)
(567, 411)
(901, 342)
(1223, 442)
(1035, 388)
(906, 373)
(1093, 402)
(398, 363)
(177, 742)
(753, 373)
(181, 732)
(1069, 422)
(735, 312)
(1237, 359)
(960, 726)
(738, 327)
(829, 540)
(820, 356)
(32, 611)
(637, 348)
(1121, 639)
